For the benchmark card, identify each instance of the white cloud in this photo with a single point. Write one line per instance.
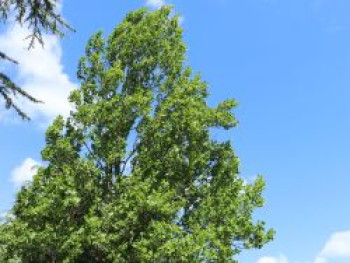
(320, 260)
(280, 259)
(155, 3)
(338, 246)
(3, 215)
(40, 73)
(24, 172)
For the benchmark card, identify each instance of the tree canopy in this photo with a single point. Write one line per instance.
(133, 174)
(39, 16)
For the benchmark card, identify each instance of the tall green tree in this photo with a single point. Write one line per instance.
(133, 174)
(39, 16)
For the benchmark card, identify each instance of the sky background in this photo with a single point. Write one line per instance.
(286, 62)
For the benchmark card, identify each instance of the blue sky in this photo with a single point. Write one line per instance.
(286, 62)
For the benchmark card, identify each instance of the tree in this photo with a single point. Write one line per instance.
(39, 16)
(133, 174)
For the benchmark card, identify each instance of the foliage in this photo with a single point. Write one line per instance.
(133, 174)
(39, 16)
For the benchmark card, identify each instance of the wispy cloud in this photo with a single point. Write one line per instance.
(337, 246)
(2, 216)
(155, 3)
(40, 73)
(280, 259)
(24, 172)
